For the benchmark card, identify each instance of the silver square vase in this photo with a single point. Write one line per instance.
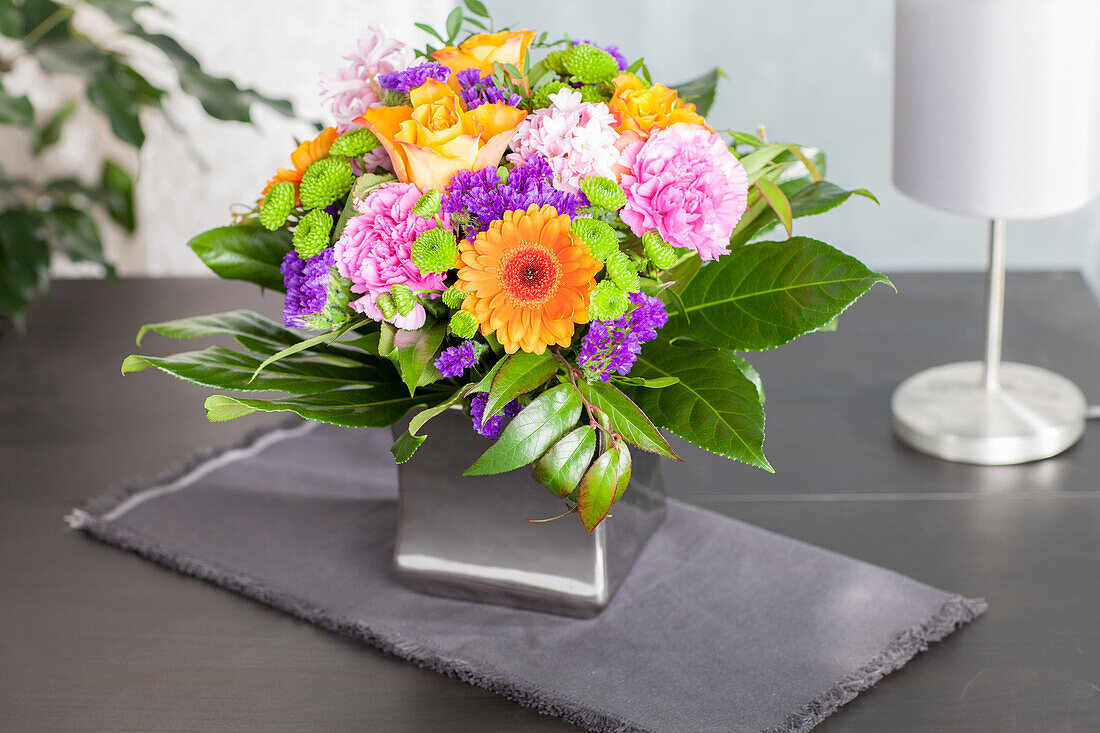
(471, 538)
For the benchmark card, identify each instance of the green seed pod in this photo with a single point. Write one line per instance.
(325, 181)
(434, 250)
(277, 205)
(599, 237)
(312, 233)
(604, 192)
(386, 305)
(463, 324)
(660, 253)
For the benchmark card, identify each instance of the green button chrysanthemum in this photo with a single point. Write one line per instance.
(604, 192)
(608, 301)
(590, 65)
(403, 298)
(554, 62)
(427, 205)
(660, 253)
(325, 181)
(277, 205)
(541, 97)
(312, 233)
(594, 94)
(453, 297)
(622, 272)
(354, 143)
(599, 237)
(463, 324)
(434, 250)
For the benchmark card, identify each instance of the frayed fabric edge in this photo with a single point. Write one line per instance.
(954, 612)
(507, 686)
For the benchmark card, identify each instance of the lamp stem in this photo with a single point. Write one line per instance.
(994, 306)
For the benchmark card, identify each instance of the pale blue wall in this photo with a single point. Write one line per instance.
(818, 73)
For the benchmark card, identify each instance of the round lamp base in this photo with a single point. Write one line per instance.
(946, 413)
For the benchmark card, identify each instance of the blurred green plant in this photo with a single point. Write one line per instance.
(38, 217)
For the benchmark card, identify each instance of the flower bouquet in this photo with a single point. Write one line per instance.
(532, 231)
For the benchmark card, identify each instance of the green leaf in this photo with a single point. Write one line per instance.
(598, 489)
(777, 200)
(405, 446)
(762, 296)
(367, 182)
(816, 198)
(16, 110)
(745, 138)
(415, 353)
(223, 99)
(245, 252)
(372, 407)
(223, 368)
(319, 340)
(713, 405)
(563, 465)
(75, 233)
(24, 261)
(11, 21)
(700, 91)
(421, 418)
(250, 329)
(626, 418)
(117, 95)
(660, 383)
(622, 465)
(518, 373)
(51, 131)
(454, 25)
(431, 31)
(477, 8)
(750, 373)
(117, 194)
(538, 426)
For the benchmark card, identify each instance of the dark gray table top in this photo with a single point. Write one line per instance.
(94, 639)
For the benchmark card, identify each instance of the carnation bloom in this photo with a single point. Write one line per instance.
(578, 138)
(306, 153)
(527, 278)
(685, 183)
(374, 251)
(481, 50)
(355, 87)
(437, 136)
(639, 109)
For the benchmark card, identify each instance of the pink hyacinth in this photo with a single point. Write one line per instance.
(354, 88)
(577, 138)
(685, 183)
(374, 251)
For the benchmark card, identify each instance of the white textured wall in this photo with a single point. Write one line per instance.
(814, 72)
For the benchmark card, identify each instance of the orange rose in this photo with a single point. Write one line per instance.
(482, 50)
(639, 110)
(436, 137)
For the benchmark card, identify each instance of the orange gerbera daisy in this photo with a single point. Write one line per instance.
(306, 153)
(528, 279)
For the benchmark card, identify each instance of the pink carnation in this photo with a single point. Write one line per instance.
(374, 251)
(685, 183)
(578, 138)
(355, 87)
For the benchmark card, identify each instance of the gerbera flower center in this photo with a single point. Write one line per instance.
(529, 275)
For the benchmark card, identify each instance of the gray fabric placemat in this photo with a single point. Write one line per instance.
(721, 626)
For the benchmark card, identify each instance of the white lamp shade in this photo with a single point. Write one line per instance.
(997, 105)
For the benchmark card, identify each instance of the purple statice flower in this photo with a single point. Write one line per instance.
(613, 50)
(494, 426)
(455, 360)
(478, 90)
(614, 345)
(307, 286)
(405, 81)
(480, 198)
